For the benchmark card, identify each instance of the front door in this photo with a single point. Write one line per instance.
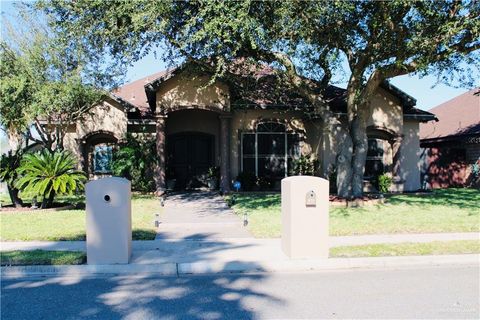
(190, 154)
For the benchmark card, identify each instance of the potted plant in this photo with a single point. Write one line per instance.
(213, 176)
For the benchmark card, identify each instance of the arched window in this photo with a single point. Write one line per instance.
(268, 152)
(271, 127)
(99, 148)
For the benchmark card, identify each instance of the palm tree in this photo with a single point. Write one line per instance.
(48, 174)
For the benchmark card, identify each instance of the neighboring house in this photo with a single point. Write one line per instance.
(451, 146)
(260, 129)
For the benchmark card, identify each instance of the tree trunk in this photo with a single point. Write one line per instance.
(359, 156)
(13, 193)
(344, 167)
(50, 199)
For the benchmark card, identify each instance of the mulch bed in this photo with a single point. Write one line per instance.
(368, 199)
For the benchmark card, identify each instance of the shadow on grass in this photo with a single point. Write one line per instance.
(462, 198)
(137, 234)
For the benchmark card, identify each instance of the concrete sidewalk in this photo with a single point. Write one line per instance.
(187, 256)
(236, 266)
(182, 246)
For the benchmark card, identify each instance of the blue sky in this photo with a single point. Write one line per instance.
(422, 89)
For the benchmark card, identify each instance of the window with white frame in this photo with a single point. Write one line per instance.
(269, 151)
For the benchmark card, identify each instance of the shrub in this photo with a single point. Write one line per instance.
(135, 160)
(47, 174)
(248, 180)
(384, 182)
(9, 163)
(305, 165)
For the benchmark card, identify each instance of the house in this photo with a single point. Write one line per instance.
(260, 128)
(451, 146)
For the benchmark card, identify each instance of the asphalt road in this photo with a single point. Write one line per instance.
(434, 292)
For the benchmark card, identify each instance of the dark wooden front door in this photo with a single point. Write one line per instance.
(190, 154)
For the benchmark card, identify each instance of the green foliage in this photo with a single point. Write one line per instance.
(305, 165)
(213, 173)
(44, 80)
(384, 182)
(378, 40)
(9, 163)
(248, 180)
(135, 160)
(48, 174)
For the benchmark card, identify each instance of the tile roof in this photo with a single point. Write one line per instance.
(262, 89)
(134, 94)
(458, 116)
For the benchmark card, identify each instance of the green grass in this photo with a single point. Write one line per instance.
(448, 210)
(70, 224)
(407, 249)
(41, 257)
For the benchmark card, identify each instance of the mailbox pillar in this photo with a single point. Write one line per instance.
(109, 221)
(305, 217)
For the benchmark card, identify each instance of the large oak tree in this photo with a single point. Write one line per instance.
(305, 40)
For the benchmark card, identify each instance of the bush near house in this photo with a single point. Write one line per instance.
(135, 160)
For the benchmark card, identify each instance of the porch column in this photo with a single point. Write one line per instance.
(224, 153)
(159, 175)
(396, 157)
(82, 161)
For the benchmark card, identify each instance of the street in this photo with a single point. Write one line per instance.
(433, 292)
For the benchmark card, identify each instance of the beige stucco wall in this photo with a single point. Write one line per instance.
(195, 121)
(386, 112)
(410, 156)
(108, 116)
(185, 90)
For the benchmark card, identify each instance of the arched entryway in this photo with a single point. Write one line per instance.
(189, 157)
(193, 146)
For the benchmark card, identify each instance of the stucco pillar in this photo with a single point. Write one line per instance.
(81, 155)
(225, 153)
(396, 164)
(160, 142)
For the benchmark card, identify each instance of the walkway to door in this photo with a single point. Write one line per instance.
(199, 216)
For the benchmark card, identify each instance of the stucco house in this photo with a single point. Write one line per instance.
(259, 130)
(451, 146)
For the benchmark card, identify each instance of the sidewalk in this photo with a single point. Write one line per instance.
(168, 246)
(190, 256)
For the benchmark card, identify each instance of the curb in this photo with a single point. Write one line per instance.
(166, 269)
(190, 268)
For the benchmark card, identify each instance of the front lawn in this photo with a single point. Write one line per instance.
(448, 210)
(407, 249)
(41, 257)
(70, 224)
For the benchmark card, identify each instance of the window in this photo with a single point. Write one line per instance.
(269, 151)
(102, 159)
(374, 165)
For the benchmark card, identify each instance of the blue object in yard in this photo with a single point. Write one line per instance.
(237, 185)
